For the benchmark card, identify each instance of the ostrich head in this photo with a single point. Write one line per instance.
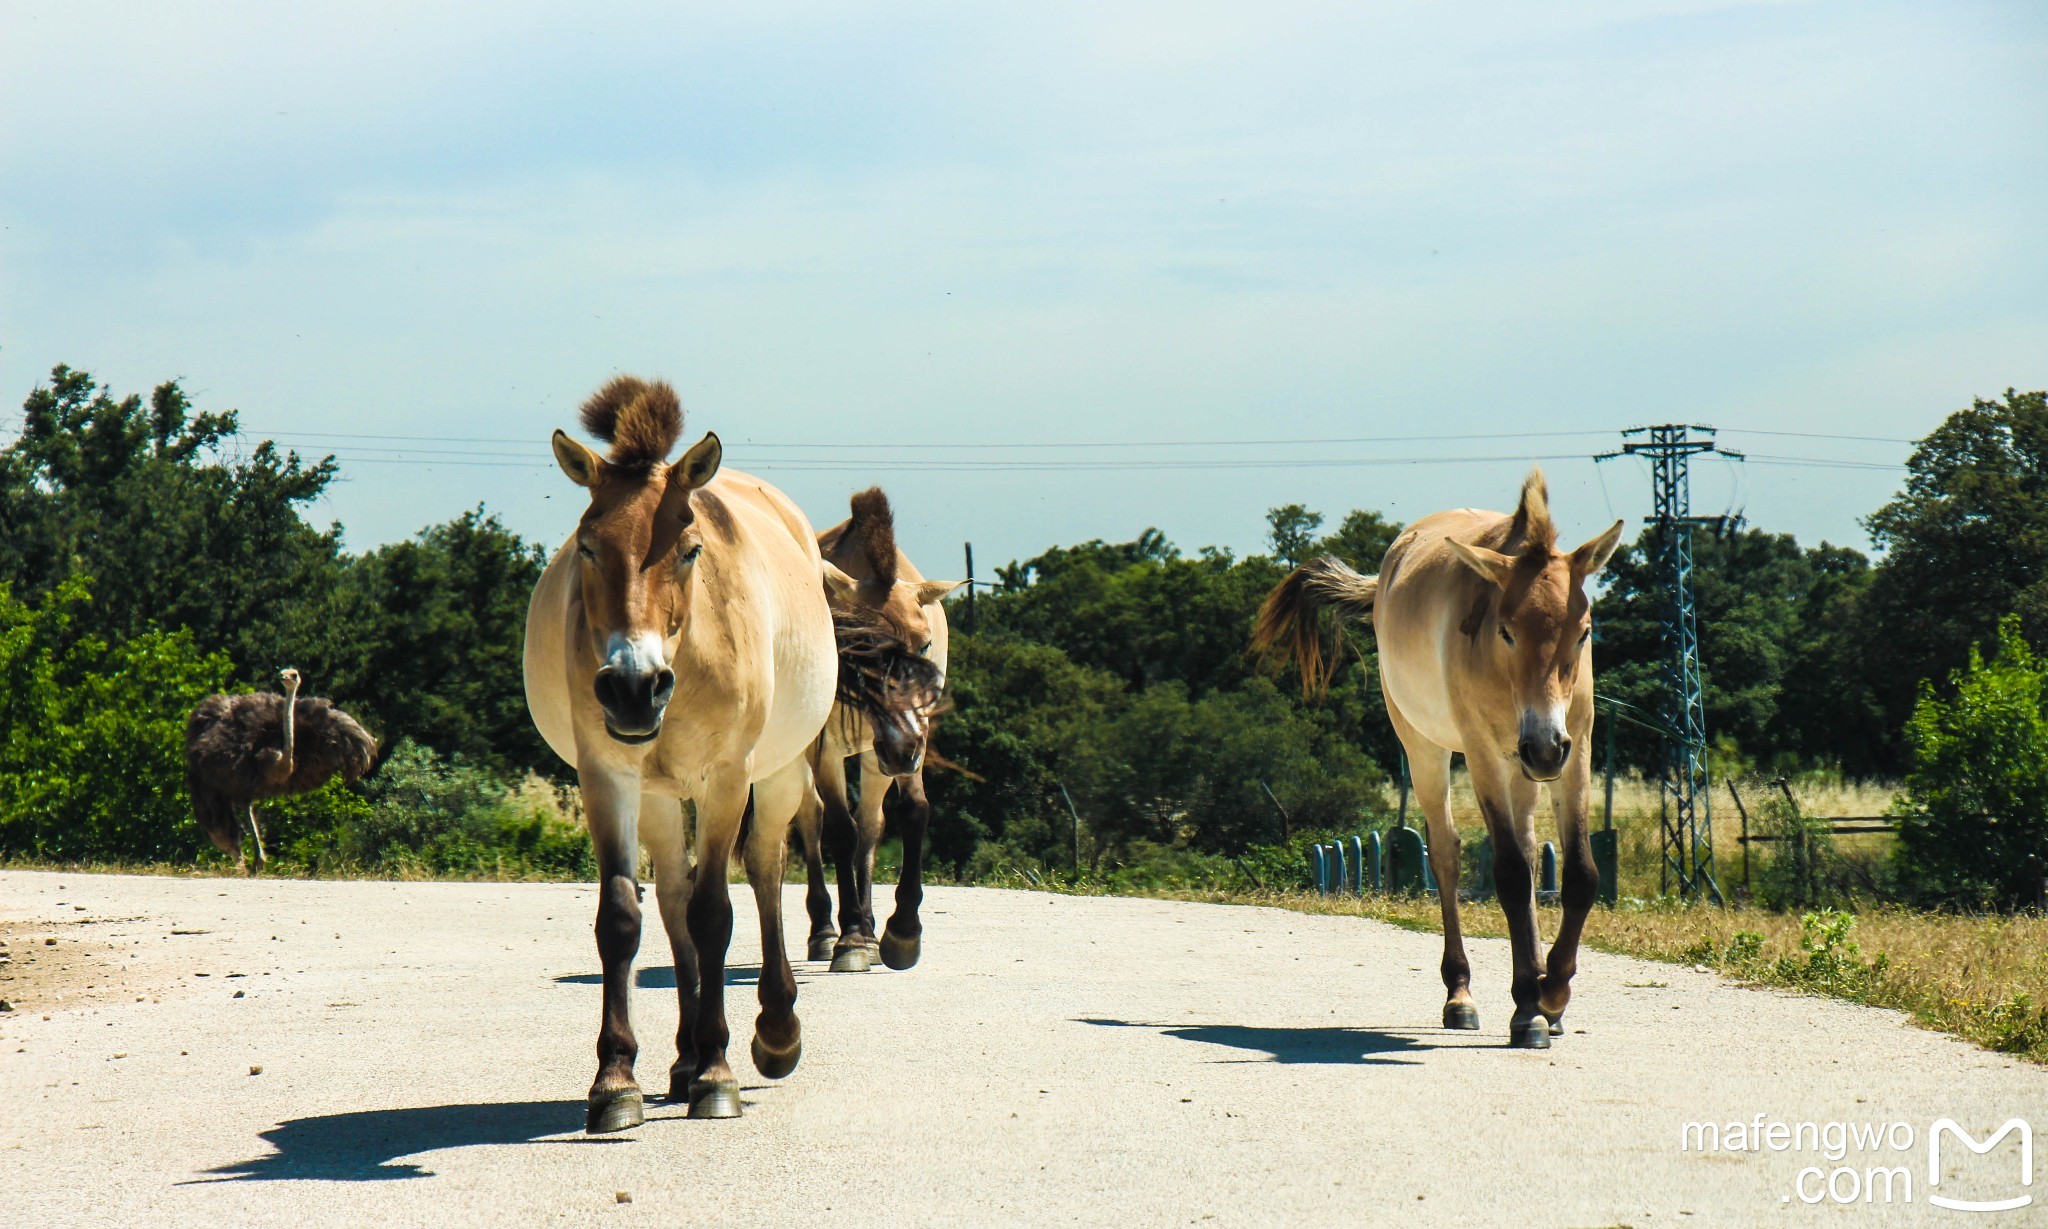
(289, 677)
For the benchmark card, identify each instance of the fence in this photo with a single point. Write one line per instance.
(1398, 865)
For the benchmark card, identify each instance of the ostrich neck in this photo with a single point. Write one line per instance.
(291, 704)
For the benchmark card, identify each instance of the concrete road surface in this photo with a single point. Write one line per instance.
(424, 1050)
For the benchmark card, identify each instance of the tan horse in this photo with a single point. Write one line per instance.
(1485, 649)
(678, 646)
(867, 573)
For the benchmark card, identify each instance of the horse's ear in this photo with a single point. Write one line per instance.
(1491, 564)
(1590, 558)
(838, 585)
(700, 464)
(929, 591)
(584, 467)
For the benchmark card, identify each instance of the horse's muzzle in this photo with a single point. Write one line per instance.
(633, 701)
(1543, 757)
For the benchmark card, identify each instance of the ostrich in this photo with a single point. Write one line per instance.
(242, 749)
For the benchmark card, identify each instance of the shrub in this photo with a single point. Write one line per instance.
(1976, 806)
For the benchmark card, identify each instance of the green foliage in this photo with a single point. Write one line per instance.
(92, 734)
(1976, 806)
(422, 814)
(1291, 532)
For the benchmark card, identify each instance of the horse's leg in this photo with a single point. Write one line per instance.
(778, 1037)
(867, 837)
(612, 810)
(810, 825)
(849, 953)
(721, 810)
(666, 837)
(1579, 882)
(1508, 800)
(1429, 771)
(902, 937)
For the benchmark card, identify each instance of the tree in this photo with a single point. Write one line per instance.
(1966, 543)
(1361, 540)
(1291, 529)
(1976, 822)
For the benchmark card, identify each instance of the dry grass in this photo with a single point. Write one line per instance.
(1984, 979)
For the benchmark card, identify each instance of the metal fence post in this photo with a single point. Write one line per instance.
(1549, 881)
(1377, 860)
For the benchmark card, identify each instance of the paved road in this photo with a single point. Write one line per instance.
(1055, 1060)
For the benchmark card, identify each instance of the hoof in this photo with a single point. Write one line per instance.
(1533, 1034)
(822, 945)
(899, 951)
(1557, 1025)
(720, 1099)
(852, 959)
(1461, 1015)
(776, 1064)
(616, 1111)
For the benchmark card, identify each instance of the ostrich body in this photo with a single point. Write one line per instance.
(241, 750)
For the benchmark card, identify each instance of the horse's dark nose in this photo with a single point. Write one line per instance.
(1544, 755)
(633, 700)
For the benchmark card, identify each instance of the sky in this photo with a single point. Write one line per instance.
(1047, 272)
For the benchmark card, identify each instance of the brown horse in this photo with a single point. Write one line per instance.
(679, 646)
(866, 573)
(1485, 649)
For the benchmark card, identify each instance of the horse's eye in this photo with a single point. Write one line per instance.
(1586, 635)
(690, 555)
(586, 552)
(926, 651)
(1506, 638)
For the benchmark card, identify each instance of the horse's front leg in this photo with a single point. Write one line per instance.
(666, 836)
(1570, 796)
(903, 936)
(612, 807)
(778, 1037)
(721, 811)
(1508, 799)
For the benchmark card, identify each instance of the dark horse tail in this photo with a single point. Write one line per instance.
(1291, 624)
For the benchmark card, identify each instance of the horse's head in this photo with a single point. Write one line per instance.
(1539, 628)
(637, 546)
(899, 707)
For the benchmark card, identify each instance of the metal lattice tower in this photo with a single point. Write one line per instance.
(1687, 799)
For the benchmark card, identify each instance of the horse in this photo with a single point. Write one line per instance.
(679, 647)
(866, 573)
(1484, 632)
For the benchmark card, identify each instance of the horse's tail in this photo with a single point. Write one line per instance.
(1291, 620)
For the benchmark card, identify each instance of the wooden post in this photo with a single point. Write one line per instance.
(970, 586)
(1076, 816)
(1286, 820)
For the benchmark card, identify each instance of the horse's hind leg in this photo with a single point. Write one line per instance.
(1429, 771)
(667, 840)
(903, 936)
(849, 953)
(778, 1037)
(810, 826)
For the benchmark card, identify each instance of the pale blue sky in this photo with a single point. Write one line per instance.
(1086, 223)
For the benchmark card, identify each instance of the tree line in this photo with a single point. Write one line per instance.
(148, 555)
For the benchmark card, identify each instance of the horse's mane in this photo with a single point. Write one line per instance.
(640, 419)
(878, 672)
(873, 531)
(1531, 526)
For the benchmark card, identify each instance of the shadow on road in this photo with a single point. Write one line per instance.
(663, 977)
(361, 1147)
(1333, 1046)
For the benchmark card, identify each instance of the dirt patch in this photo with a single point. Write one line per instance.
(81, 968)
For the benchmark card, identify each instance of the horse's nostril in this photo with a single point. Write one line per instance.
(1564, 747)
(664, 687)
(608, 687)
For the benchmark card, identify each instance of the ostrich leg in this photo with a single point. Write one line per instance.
(256, 834)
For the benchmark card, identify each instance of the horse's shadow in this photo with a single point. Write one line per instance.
(363, 1146)
(663, 977)
(1332, 1046)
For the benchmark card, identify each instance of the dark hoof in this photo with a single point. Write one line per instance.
(616, 1111)
(899, 951)
(776, 1064)
(715, 1100)
(852, 959)
(1461, 1015)
(1529, 1034)
(822, 945)
(1557, 1025)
